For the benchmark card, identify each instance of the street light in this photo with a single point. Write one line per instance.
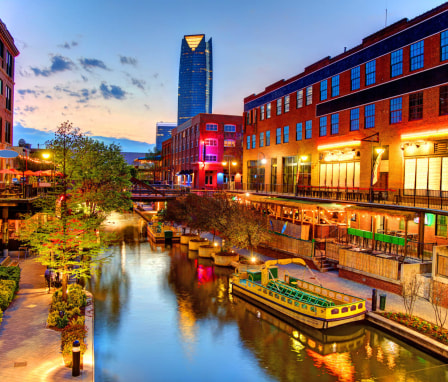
(229, 174)
(263, 162)
(46, 156)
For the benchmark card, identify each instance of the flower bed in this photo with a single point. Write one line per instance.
(415, 323)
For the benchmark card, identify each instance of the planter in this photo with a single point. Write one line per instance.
(206, 250)
(245, 265)
(194, 244)
(224, 259)
(185, 238)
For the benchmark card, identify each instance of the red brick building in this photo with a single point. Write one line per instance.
(167, 161)
(322, 128)
(201, 145)
(8, 53)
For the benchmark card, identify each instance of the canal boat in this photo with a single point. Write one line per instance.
(296, 299)
(159, 232)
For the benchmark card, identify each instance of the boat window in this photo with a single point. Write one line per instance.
(289, 301)
(276, 295)
(283, 299)
(344, 309)
(360, 306)
(296, 303)
(335, 311)
(312, 308)
(270, 293)
(353, 307)
(265, 291)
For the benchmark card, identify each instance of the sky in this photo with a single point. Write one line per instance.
(111, 66)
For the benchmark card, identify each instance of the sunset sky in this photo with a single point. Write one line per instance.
(111, 67)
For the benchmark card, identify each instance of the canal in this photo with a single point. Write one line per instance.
(162, 314)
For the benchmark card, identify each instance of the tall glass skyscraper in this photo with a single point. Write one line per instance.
(195, 78)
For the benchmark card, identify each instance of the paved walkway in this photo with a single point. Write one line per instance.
(331, 280)
(28, 350)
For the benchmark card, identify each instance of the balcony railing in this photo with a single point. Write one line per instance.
(403, 197)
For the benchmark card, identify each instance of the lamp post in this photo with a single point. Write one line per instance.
(263, 162)
(229, 182)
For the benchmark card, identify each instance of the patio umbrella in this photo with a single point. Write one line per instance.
(29, 173)
(12, 171)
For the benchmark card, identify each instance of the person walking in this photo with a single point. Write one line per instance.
(48, 276)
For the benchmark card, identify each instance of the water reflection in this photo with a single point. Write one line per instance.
(177, 321)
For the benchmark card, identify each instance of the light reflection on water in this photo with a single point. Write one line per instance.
(166, 315)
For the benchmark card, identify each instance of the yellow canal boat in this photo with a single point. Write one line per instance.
(296, 299)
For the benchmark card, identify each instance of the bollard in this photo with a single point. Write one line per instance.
(76, 350)
(373, 300)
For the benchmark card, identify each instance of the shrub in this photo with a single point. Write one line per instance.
(55, 320)
(70, 334)
(7, 289)
(11, 273)
(76, 296)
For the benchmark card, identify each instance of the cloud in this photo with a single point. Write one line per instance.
(128, 60)
(147, 106)
(58, 64)
(83, 95)
(23, 92)
(139, 83)
(127, 145)
(91, 63)
(30, 109)
(68, 45)
(112, 91)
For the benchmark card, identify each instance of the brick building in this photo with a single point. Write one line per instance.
(167, 161)
(199, 147)
(8, 53)
(325, 127)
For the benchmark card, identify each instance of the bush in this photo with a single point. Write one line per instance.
(11, 273)
(70, 334)
(7, 289)
(76, 299)
(55, 320)
(76, 296)
(1, 316)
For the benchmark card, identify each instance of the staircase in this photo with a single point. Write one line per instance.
(321, 262)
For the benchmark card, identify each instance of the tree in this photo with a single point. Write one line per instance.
(438, 297)
(66, 234)
(410, 287)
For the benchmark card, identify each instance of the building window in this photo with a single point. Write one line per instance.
(248, 122)
(210, 158)
(369, 116)
(300, 98)
(309, 95)
(8, 132)
(268, 110)
(354, 119)
(444, 45)
(262, 113)
(211, 142)
(261, 144)
(248, 143)
(279, 106)
(443, 100)
(287, 103)
(334, 123)
(299, 132)
(268, 138)
(335, 86)
(229, 128)
(370, 72)
(1, 86)
(417, 55)
(285, 134)
(355, 78)
(229, 143)
(253, 141)
(441, 225)
(9, 64)
(8, 98)
(278, 136)
(396, 63)
(323, 90)
(211, 127)
(416, 106)
(396, 110)
(322, 126)
(308, 129)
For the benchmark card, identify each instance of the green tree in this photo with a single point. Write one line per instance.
(66, 234)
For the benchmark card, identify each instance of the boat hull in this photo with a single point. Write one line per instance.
(289, 314)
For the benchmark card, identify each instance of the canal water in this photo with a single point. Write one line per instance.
(163, 314)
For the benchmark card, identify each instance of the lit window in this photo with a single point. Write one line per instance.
(268, 110)
(229, 143)
(248, 143)
(253, 141)
(210, 142)
(417, 55)
(210, 158)
(211, 127)
(229, 128)
(279, 106)
(286, 134)
(309, 95)
(268, 138)
(262, 139)
(355, 78)
(300, 98)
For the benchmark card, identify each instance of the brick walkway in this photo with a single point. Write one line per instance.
(29, 351)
